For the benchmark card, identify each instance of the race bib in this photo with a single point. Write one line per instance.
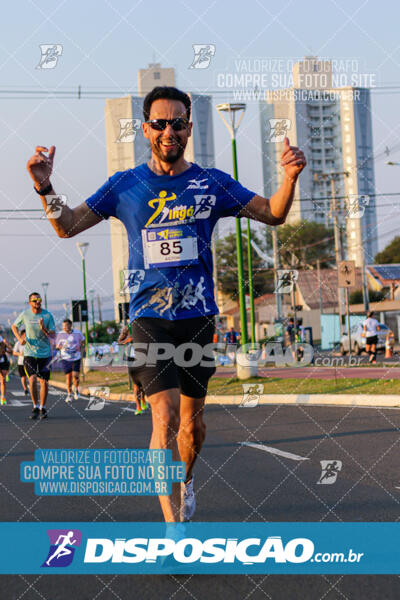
(170, 245)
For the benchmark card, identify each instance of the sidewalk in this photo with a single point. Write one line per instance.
(381, 401)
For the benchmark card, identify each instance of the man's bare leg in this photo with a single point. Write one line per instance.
(192, 431)
(33, 389)
(3, 384)
(44, 388)
(165, 416)
(68, 379)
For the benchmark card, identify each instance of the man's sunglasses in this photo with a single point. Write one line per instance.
(36, 300)
(160, 124)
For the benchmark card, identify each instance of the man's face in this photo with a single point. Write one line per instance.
(35, 302)
(168, 145)
(67, 327)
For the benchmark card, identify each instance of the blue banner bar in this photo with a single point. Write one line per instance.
(208, 548)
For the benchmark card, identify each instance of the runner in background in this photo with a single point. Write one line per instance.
(371, 328)
(39, 327)
(70, 344)
(4, 368)
(18, 350)
(124, 339)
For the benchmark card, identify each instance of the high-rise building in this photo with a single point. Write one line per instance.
(128, 148)
(332, 125)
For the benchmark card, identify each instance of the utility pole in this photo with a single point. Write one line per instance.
(99, 308)
(333, 177)
(321, 308)
(277, 265)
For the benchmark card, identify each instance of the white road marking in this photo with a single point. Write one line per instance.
(272, 450)
(16, 403)
(16, 393)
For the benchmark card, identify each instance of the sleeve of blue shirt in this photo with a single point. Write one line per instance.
(104, 201)
(232, 196)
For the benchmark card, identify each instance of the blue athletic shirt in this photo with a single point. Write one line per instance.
(169, 220)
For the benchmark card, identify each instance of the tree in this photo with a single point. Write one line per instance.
(263, 277)
(390, 254)
(356, 297)
(102, 337)
(301, 244)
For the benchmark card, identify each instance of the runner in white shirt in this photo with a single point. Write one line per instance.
(371, 328)
(18, 350)
(70, 344)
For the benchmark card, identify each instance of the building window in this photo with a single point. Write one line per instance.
(157, 75)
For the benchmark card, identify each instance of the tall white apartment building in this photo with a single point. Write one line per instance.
(127, 148)
(333, 127)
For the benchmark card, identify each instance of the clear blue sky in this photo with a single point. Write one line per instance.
(104, 45)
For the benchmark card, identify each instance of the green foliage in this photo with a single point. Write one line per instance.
(301, 244)
(390, 254)
(102, 337)
(356, 297)
(263, 277)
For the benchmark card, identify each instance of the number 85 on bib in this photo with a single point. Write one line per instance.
(170, 246)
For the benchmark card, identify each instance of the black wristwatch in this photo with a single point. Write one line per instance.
(45, 191)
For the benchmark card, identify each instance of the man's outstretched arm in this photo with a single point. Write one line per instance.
(66, 222)
(274, 210)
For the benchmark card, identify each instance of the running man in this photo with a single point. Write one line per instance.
(371, 328)
(144, 199)
(39, 327)
(18, 351)
(70, 344)
(4, 368)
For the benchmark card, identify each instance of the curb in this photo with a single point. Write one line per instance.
(373, 401)
(128, 397)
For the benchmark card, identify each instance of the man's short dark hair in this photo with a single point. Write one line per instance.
(67, 321)
(165, 92)
(370, 314)
(33, 294)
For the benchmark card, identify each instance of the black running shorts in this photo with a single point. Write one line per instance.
(190, 366)
(37, 366)
(372, 339)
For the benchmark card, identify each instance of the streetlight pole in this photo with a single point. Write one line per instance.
(83, 247)
(232, 126)
(91, 294)
(45, 285)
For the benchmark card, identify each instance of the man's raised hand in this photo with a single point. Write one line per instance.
(292, 159)
(40, 166)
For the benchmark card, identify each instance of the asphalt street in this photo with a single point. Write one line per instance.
(258, 464)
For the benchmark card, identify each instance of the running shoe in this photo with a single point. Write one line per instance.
(138, 411)
(35, 413)
(26, 392)
(76, 394)
(176, 532)
(68, 398)
(145, 406)
(43, 413)
(188, 500)
(3, 401)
